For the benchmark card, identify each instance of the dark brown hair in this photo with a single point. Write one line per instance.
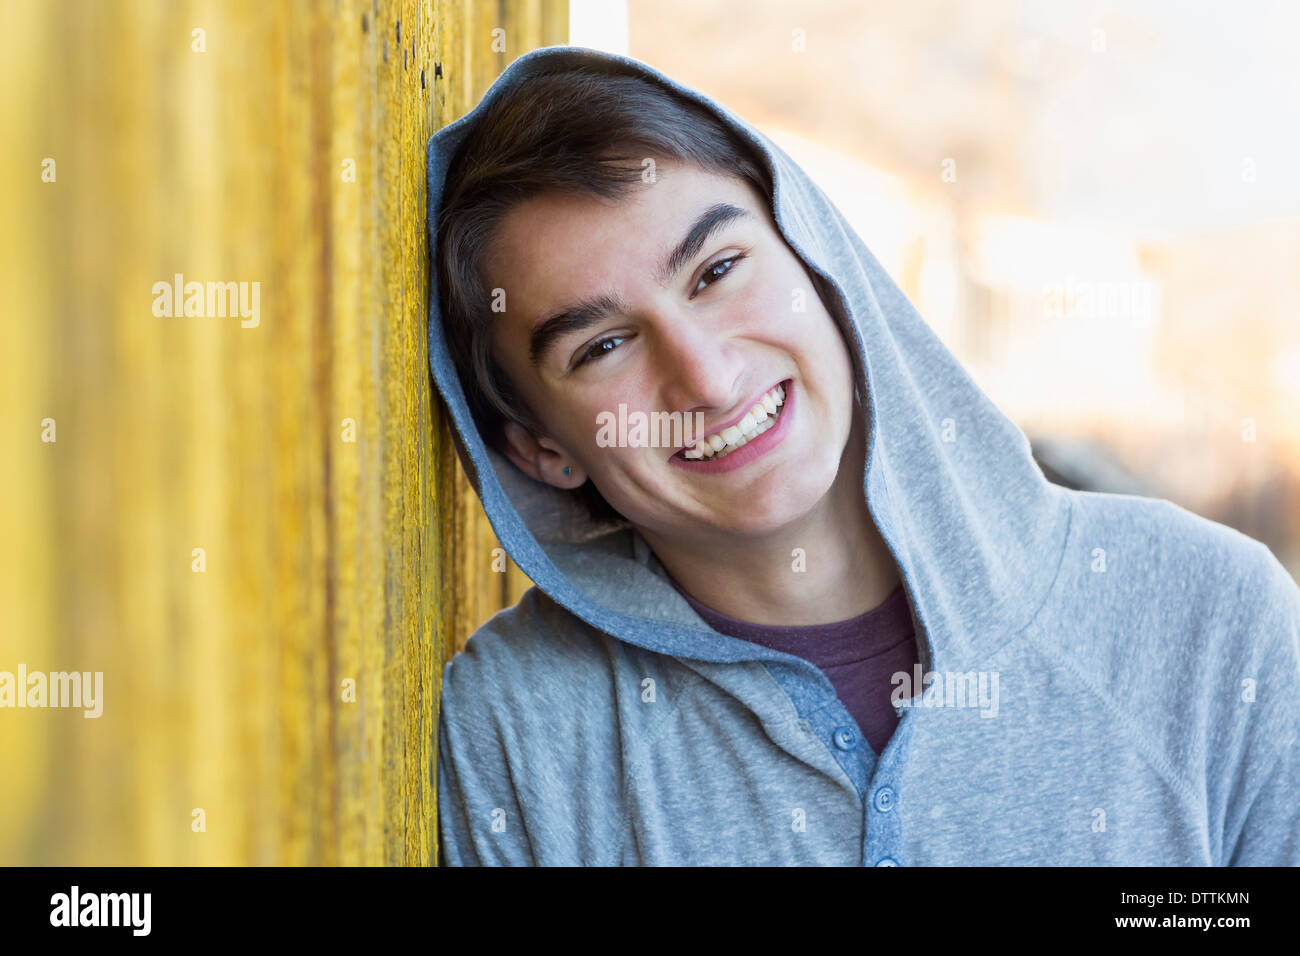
(577, 130)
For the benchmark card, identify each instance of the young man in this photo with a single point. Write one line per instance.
(848, 621)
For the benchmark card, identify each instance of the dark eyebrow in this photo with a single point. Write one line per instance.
(587, 313)
(710, 221)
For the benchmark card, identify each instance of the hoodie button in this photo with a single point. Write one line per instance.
(885, 799)
(887, 862)
(845, 738)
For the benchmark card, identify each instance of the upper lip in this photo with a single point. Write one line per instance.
(735, 421)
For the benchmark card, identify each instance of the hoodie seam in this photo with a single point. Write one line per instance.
(1157, 759)
(632, 766)
(1264, 780)
(1136, 740)
(1051, 587)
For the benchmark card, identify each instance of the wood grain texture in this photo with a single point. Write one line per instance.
(305, 455)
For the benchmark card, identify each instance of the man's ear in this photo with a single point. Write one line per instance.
(540, 458)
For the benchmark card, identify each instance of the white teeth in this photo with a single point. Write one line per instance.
(758, 419)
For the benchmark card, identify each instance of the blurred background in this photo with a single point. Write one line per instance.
(255, 529)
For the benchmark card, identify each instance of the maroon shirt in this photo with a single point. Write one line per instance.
(859, 656)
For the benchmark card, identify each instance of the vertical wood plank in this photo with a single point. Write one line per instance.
(259, 535)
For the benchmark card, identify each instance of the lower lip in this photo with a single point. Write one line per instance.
(749, 451)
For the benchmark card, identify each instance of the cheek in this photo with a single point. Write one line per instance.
(786, 298)
(782, 299)
(583, 430)
(589, 426)
(826, 352)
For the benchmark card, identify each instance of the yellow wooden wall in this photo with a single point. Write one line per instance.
(323, 560)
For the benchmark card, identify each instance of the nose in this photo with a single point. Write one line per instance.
(699, 366)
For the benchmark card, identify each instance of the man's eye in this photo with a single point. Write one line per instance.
(712, 271)
(597, 350)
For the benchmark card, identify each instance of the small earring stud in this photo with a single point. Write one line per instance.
(568, 471)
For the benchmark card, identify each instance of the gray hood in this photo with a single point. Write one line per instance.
(976, 529)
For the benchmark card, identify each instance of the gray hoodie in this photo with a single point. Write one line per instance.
(1104, 679)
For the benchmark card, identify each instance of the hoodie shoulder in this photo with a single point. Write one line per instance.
(1152, 541)
(1183, 597)
(530, 662)
(530, 633)
(506, 742)
(1261, 812)
(1189, 632)
(530, 761)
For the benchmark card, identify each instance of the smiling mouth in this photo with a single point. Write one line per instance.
(758, 419)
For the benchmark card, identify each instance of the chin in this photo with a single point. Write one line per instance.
(782, 503)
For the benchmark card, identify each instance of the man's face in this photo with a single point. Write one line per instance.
(732, 318)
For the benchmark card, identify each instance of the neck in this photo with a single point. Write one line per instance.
(847, 568)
